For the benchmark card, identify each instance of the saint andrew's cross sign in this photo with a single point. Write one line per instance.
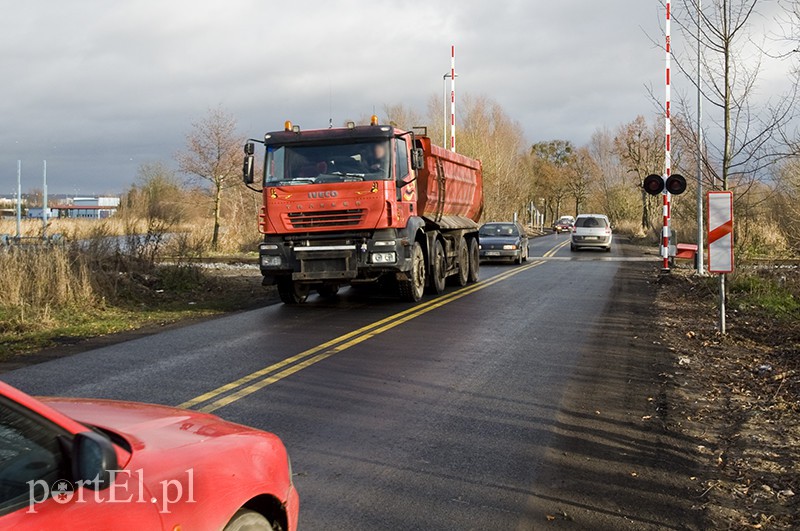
(720, 232)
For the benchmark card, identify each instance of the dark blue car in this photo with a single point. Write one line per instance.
(503, 241)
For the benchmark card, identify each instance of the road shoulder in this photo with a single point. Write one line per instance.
(615, 462)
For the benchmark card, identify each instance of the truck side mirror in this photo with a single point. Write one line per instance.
(249, 162)
(417, 158)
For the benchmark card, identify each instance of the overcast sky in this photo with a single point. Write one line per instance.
(98, 87)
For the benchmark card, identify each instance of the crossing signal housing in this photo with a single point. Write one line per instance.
(654, 184)
(676, 184)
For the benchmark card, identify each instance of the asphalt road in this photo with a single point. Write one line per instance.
(440, 415)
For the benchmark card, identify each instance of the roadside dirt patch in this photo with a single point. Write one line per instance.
(737, 395)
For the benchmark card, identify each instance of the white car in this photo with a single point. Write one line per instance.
(591, 230)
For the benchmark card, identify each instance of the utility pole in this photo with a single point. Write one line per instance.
(44, 199)
(19, 199)
(700, 235)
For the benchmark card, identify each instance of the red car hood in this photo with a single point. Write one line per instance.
(146, 425)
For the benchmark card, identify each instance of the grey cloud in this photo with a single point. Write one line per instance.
(98, 87)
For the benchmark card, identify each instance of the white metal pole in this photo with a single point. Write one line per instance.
(700, 235)
(19, 199)
(44, 199)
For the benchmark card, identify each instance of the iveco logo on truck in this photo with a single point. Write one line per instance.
(322, 195)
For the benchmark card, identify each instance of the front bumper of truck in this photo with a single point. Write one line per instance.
(341, 257)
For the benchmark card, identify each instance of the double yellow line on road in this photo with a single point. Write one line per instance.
(249, 384)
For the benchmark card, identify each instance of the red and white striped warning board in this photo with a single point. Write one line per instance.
(720, 232)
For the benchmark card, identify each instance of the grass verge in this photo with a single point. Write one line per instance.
(55, 295)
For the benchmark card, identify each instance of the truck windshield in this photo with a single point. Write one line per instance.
(289, 165)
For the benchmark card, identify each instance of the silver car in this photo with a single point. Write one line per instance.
(591, 230)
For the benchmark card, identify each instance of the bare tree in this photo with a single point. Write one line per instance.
(581, 169)
(614, 195)
(784, 204)
(789, 50)
(554, 158)
(488, 133)
(747, 140)
(402, 116)
(640, 147)
(152, 209)
(213, 156)
(35, 196)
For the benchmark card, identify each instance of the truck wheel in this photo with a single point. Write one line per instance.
(292, 292)
(462, 277)
(411, 290)
(438, 267)
(474, 260)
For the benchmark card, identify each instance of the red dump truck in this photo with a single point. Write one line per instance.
(368, 204)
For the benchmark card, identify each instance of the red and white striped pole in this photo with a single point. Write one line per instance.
(665, 233)
(452, 98)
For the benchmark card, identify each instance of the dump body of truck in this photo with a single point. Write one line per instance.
(459, 194)
(365, 205)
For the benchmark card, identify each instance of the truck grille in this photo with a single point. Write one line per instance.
(332, 218)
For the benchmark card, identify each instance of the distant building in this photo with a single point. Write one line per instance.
(88, 208)
(36, 212)
(8, 207)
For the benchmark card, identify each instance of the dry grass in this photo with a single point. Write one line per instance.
(37, 281)
(109, 275)
(761, 240)
(69, 228)
(628, 227)
(55, 294)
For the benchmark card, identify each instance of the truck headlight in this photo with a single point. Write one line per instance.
(383, 258)
(384, 243)
(509, 247)
(268, 247)
(271, 261)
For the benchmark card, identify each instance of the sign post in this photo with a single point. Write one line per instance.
(720, 243)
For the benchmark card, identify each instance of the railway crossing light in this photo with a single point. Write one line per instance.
(676, 184)
(654, 184)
